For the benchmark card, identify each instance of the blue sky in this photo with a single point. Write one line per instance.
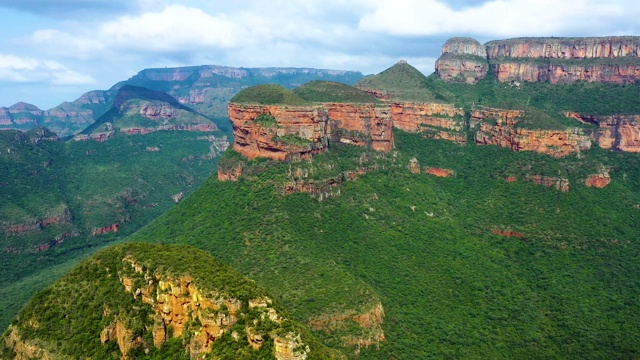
(55, 50)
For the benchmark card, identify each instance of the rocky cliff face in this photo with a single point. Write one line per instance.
(285, 133)
(462, 60)
(616, 132)
(553, 60)
(361, 124)
(498, 127)
(440, 121)
(288, 132)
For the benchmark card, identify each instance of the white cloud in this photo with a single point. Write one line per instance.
(500, 18)
(15, 69)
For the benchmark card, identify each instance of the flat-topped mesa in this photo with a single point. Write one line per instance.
(273, 122)
(278, 132)
(612, 47)
(462, 60)
(553, 60)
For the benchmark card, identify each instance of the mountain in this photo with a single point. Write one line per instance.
(446, 248)
(157, 301)
(139, 110)
(205, 89)
(613, 59)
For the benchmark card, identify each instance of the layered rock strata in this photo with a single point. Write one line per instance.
(615, 132)
(283, 133)
(553, 60)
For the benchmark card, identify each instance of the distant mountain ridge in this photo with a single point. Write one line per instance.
(205, 88)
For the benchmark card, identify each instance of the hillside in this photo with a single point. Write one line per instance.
(157, 301)
(399, 82)
(493, 261)
(62, 200)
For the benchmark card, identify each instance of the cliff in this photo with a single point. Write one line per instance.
(615, 132)
(273, 122)
(553, 60)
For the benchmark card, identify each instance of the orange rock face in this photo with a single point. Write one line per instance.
(510, 60)
(439, 172)
(557, 183)
(556, 143)
(253, 139)
(616, 132)
(360, 124)
(417, 117)
(599, 181)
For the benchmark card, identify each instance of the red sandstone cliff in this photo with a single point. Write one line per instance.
(301, 131)
(553, 60)
(616, 132)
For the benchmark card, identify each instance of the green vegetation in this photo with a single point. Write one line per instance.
(401, 82)
(266, 120)
(268, 94)
(426, 248)
(329, 91)
(92, 296)
(291, 139)
(127, 180)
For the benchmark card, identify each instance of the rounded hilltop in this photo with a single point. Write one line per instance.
(268, 94)
(306, 94)
(399, 82)
(331, 91)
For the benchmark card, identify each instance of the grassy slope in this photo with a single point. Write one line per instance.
(424, 245)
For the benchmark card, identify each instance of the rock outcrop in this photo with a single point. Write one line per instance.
(616, 132)
(599, 180)
(561, 184)
(553, 60)
(440, 121)
(498, 127)
(462, 60)
(291, 132)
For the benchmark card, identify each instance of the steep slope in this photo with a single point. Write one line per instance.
(61, 200)
(399, 82)
(152, 301)
(493, 261)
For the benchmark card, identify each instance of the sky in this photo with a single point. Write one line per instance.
(55, 50)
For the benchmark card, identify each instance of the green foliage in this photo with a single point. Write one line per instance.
(67, 318)
(88, 185)
(268, 94)
(402, 82)
(328, 91)
(266, 120)
(425, 247)
(291, 139)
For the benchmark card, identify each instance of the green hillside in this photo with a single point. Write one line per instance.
(558, 283)
(57, 196)
(401, 82)
(108, 318)
(268, 94)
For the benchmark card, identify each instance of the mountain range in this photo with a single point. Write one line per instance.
(464, 214)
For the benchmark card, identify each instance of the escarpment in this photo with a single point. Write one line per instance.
(552, 60)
